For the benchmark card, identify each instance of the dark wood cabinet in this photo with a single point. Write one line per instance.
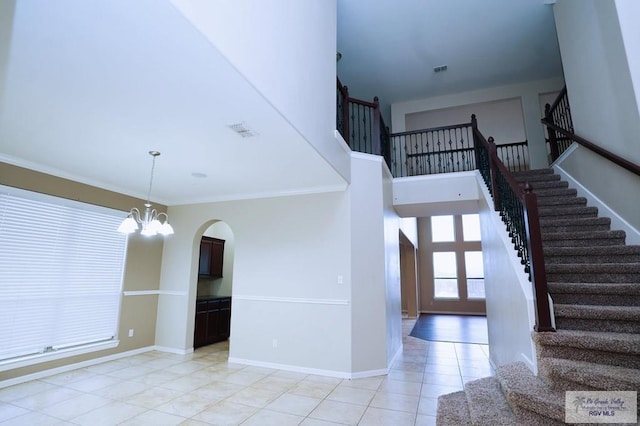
(211, 257)
(213, 321)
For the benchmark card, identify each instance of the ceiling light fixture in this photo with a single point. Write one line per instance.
(150, 222)
(440, 68)
(243, 129)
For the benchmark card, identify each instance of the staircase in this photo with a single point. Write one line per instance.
(594, 281)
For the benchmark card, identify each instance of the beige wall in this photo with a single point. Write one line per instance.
(142, 268)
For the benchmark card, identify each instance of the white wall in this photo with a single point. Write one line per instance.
(594, 40)
(409, 227)
(375, 276)
(286, 49)
(289, 252)
(501, 119)
(527, 92)
(509, 295)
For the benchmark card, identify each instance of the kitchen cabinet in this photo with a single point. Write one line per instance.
(211, 257)
(213, 320)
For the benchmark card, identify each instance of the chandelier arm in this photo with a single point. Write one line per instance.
(135, 214)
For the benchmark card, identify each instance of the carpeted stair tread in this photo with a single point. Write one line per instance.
(619, 313)
(562, 374)
(530, 397)
(453, 410)
(487, 404)
(582, 238)
(619, 294)
(594, 272)
(555, 211)
(532, 172)
(561, 201)
(532, 178)
(542, 185)
(555, 192)
(595, 254)
(553, 224)
(620, 349)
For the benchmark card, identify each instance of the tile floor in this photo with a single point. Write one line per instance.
(202, 388)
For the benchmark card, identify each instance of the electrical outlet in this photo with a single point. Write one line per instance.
(131, 332)
(274, 343)
(340, 279)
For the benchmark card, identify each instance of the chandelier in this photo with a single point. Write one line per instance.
(151, 219)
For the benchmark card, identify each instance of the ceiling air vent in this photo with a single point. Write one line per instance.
(243, 130)
(440, 68)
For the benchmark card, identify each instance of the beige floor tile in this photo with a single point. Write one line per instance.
(423, 420)
(428, 406)
(272, 418)
(14, 392)
(153, 397)
(44, 399)
(294, 404)
(130, 372)
(187, 367)
(276, 383)
(225, 413)
(442, 379)
(370, 383)
(351, 395)
(338, 412)
(75, 406)
(394, 401)
(107, 367)
(111, 414)
(157, 377)
(434, 391)
(242, 378)
(187, 383)
(33, 418)
(187, 405)
(155, 418)
(313, 389)
(381, 417)
(193, 422)
(401, 387)
(316, 422)
(9, 411)
(254, 397)
(441, 369)
(217, 390)
(68, 377)
(406, 376)
(91, 384)
(122, 390)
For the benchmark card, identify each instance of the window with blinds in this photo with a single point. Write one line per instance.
(61, 271)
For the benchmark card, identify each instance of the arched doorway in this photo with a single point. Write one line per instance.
(214, 283)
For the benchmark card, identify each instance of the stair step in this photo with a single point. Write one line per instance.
(561, 201)
(532, 172)
(555, 192)
(453, 410)
(583, 238)
(593, 273)
(618, 349)
(533, 178)
(567, 212)
(531, 399)
(615, 319)
(612, 294)
(543, 185)
(580, 224)
(596, 254)
(487, 404)
(564, 374)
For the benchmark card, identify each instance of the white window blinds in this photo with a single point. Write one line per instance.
(61, 270)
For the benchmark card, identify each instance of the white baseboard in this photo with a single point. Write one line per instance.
(307, 370)
(617, 221)
(173, 350)
(74, 366)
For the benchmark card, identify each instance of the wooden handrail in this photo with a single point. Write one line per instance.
(626, 164)
(531, 222)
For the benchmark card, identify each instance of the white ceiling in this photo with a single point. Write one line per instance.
(90, 87)
(389, 49)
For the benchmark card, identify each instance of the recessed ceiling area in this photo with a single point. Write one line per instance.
(88, 88)
(390, 50)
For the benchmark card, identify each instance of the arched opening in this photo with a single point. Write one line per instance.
(214, 282)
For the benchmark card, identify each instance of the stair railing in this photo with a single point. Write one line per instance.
(518, 208)
(361, 124)
(614, 158)
(558, 114)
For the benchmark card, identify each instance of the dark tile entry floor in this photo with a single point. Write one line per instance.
(451, 328)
